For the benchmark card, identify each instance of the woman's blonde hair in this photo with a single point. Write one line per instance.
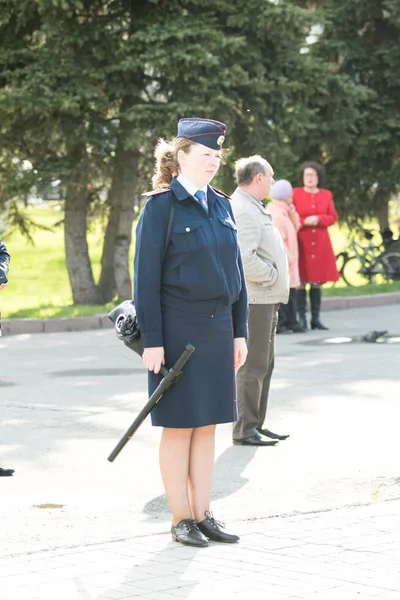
(167, 166)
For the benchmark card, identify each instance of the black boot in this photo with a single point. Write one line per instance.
(6, 472)
(315, 301)
(301, 308)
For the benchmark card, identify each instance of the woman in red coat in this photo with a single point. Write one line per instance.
(317, 263)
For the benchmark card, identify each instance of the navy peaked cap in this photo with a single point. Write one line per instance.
(203, 131)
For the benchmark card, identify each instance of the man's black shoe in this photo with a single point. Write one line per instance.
(297, 328)
(272, 435)
(254, 440)
(212, 529)
(186, 532)
(6, 472)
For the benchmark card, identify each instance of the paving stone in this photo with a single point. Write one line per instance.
(310, 528)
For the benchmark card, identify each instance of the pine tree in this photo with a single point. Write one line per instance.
(361, 37)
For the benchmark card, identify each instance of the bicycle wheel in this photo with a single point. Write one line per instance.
(350, 273)
(340, 260)
(389, 265)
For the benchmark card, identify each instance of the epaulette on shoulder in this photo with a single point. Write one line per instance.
(156, 192)
(220, 193)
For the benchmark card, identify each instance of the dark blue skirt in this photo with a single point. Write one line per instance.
(206, 392)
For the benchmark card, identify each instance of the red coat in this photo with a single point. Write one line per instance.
(317, 262)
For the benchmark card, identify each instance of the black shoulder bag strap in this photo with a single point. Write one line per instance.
(169, 228)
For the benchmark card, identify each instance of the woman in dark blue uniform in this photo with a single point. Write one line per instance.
(4, 265)
(196, 295)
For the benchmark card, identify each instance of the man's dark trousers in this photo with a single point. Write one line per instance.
(254, 378)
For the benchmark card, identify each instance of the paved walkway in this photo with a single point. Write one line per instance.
(318, 514)
(343, 554)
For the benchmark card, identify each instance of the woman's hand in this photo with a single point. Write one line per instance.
(153, 358)
(239, 352)
(311, 221)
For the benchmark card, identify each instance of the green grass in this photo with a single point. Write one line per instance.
(362, 290)
(52, 312)
(38, 280)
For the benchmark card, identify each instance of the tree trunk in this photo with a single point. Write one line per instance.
(115, 275)
(127, 183)
(226, 180)
(107, 278)
(382, 198)
(84, 290)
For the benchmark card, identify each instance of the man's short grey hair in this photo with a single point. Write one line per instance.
(247, 168)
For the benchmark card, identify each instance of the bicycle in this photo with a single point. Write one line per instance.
(372, 263)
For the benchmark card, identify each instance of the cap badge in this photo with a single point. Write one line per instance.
(220, 140)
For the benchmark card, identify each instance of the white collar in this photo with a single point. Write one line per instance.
(189, 186)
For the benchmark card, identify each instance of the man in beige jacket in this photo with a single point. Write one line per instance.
(267, 278)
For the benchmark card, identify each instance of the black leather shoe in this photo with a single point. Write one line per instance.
(6, 472)
(254, 440)
(212, 529)
(187, 533)
(272, 435)
(297, 328)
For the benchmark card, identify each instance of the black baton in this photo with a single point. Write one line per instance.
(170, 377)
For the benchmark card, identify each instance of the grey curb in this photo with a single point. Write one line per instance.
(21, 326)
(360, 301)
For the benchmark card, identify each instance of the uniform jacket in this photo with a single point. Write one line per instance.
(263, 251)
(202, 267)
(288, 223)
(4, 263)
(317, 261)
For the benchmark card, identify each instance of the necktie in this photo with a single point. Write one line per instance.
(201, 197)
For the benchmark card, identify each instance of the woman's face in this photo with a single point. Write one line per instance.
(200, 164)
(310, 178)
